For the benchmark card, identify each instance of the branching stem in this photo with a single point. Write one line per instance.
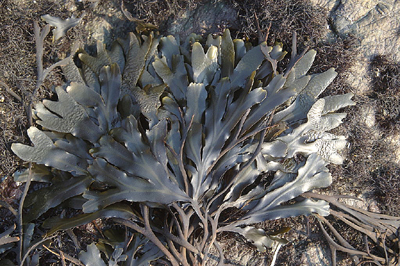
(20, 218)
(147, 232)
(248, 163)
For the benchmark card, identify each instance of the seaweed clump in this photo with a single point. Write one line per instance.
(167, 138)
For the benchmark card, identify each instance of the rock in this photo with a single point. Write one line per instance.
(208, 17)
(375, 23)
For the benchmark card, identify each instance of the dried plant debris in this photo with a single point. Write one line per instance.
(381, 155)
(167, 138)
(385, 76)
(285, 17)
(148, 12)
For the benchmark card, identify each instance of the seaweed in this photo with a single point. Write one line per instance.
(167, 138)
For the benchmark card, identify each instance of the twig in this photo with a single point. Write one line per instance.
(8, 206)
(16, 96)
(72, 235)
(63, 256)
(262, 37)
(33, 247)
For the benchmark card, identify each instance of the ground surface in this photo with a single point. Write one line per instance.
(371, 169)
